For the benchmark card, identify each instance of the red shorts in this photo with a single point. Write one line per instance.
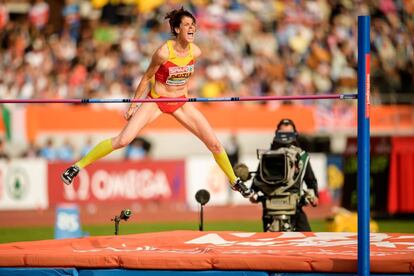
(168, 107)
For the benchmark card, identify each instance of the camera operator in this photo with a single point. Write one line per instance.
(286, 136)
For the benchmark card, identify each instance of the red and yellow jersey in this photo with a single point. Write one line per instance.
(176, 70)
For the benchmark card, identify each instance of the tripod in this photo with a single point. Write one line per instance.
(125, 215)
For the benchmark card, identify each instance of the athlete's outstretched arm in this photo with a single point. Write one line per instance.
(158, 58)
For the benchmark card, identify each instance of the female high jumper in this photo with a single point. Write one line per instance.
(172, 64)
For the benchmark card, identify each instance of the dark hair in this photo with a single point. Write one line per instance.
(286, 122)
(174, 18)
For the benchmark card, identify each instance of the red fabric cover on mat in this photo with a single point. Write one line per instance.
(224, 250)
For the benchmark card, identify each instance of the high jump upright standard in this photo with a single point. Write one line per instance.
(363, 145)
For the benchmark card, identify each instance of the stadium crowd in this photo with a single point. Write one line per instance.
(249, 48)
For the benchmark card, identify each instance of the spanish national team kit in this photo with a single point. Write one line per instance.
(174, 72)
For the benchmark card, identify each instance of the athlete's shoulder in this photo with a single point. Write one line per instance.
(162, 53)
(196, 51)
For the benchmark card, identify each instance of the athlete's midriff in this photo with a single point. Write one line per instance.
(160, 89)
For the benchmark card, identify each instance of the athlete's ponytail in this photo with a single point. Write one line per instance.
(174, 18)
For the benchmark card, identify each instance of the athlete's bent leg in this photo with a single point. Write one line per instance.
(194, 120)
(144, 115)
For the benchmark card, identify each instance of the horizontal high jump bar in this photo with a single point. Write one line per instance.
(172, 100)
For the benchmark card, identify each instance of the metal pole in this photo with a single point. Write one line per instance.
(116, 227)
(363, 145)
(116, 219)
(201, 227)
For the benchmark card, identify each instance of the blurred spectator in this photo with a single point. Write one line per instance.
(48, 151)
(39, 14)
(232, 148)
(86, 147)
(32, 151)
(3, 153)
(110, 12)
(4, 15)
(72, 19)
(65, 152)
(138, 149)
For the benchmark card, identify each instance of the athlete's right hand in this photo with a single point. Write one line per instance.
(130, 112)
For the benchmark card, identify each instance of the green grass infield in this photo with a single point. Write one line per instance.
(15, 234)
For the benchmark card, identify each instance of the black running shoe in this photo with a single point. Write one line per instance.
(242, 188)
(70, 173)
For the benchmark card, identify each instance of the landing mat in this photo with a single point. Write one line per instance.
(217, 250)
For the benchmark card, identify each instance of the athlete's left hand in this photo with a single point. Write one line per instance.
(130, 112)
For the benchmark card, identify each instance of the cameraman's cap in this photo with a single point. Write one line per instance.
(286, 122)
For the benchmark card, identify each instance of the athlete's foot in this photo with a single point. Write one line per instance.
(242, 188)
(70, 173)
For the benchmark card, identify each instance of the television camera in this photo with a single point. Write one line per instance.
(278, 182)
